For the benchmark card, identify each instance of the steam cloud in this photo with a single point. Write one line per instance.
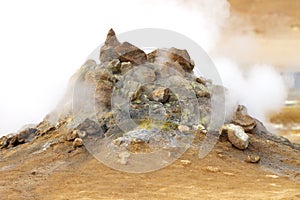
(202, 21)
(261, 88)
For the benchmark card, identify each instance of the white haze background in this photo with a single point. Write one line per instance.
(42, 43)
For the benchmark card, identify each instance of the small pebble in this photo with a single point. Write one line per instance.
(228, 173)
(183, 128)
(212, 169)
(252, 159)
(272, 176)
(185, 162)
(77, 142)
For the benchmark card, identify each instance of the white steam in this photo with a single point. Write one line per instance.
(261, 88)
(43, 43)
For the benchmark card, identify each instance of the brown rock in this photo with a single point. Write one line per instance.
(161, 94)
(72, 135)
(103, 94)
(182, 57)
(107, 51)
(125, 67)
(130, 53)
(111, 38)
(13, 141)
(3, 142)
(200, 80)
(171, 69)
(125, 52)
(244, 120)
(77, 143)
(173, 54)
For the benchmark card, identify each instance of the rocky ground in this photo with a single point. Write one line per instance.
(51, 168)
(50, 161)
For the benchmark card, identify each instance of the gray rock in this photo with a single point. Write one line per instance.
(236, 136)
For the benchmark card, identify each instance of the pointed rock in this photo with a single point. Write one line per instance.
(107, 51)
(111, 38)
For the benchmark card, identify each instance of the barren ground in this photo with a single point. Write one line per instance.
(61, 172)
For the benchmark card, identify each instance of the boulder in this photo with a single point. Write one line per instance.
(236, 135)
(129, 53)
